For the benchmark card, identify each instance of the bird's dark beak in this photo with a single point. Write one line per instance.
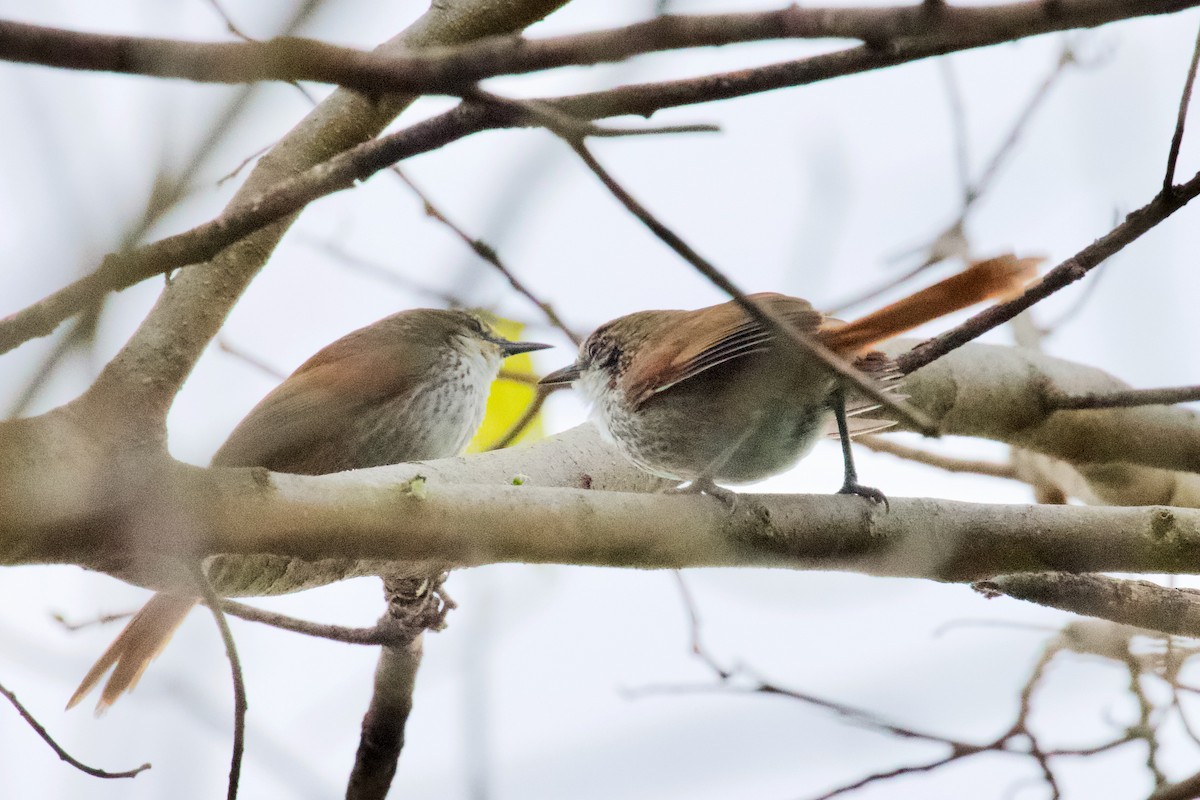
(514, 348)
(561, 377)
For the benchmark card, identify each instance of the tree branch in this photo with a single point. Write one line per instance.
(1184, 100)
(1127, 399)
(355, 523)
(450, 70)
(375, 515)
(1138, 603)
(992, 469)
(58, 749)
(213, 602)
(1136, 223)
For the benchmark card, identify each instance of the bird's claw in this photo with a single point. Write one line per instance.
(706, 486)
(869, 492)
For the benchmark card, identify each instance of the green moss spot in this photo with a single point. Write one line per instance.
(415, 487)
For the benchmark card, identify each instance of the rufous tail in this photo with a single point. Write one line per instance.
(131, 652)
(995, 277)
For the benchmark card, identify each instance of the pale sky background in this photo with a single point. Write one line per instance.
(806, 191)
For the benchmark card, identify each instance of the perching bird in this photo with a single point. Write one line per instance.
(409, 387)
(703, 396)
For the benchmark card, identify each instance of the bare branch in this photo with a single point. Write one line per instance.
(1139, 603)
(58, 749)
(1187, 789)
(526, 419)
(488, 254)
(336, 633)
(992, 469)
(1136, 223)
(1184, 100)
(453, 69)
(235, 667)
(362, 516)
(380, 272)
(1132, 398)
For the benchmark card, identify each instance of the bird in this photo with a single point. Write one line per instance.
(409, 387)
(703, 396)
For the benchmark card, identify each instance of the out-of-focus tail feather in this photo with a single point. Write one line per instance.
(995, 277)
(143, 638)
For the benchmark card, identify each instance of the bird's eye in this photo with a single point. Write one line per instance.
(601, 352)
(478, 327)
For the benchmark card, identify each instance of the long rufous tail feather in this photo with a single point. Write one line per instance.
(143, 638)
(995, 277)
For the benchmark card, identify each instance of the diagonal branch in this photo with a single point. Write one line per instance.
(488, 254)
(1136, 223)
(803, 345)
(235, 667)
(58, 749)
(1185, 98)
(1138, 603)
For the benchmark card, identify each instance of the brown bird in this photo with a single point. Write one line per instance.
(411, 386)
(702, 396)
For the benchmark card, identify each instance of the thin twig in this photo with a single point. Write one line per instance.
(488, 254)
(337, 633)
(451, 70)
(1066, 59)
(226, 346)
(1184, 100)
(568, 126)
(103, 619)
(235, 666)
(948, 243)
(1044, 329)
(519, 377)
(994, 469)
(230, 25)
(958, 121)
(1130, 398)
(526, 419)
(381, 272)
(81, 332)
(952, 241)
(697, 641)
(63, 754)
(1074, 268)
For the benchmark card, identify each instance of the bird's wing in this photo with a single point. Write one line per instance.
(709, 337)
(311, 406)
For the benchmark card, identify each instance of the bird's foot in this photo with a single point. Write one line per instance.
(706, 486)
(869, 492)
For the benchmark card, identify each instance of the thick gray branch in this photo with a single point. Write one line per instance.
(999, 393)
(383, 515)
